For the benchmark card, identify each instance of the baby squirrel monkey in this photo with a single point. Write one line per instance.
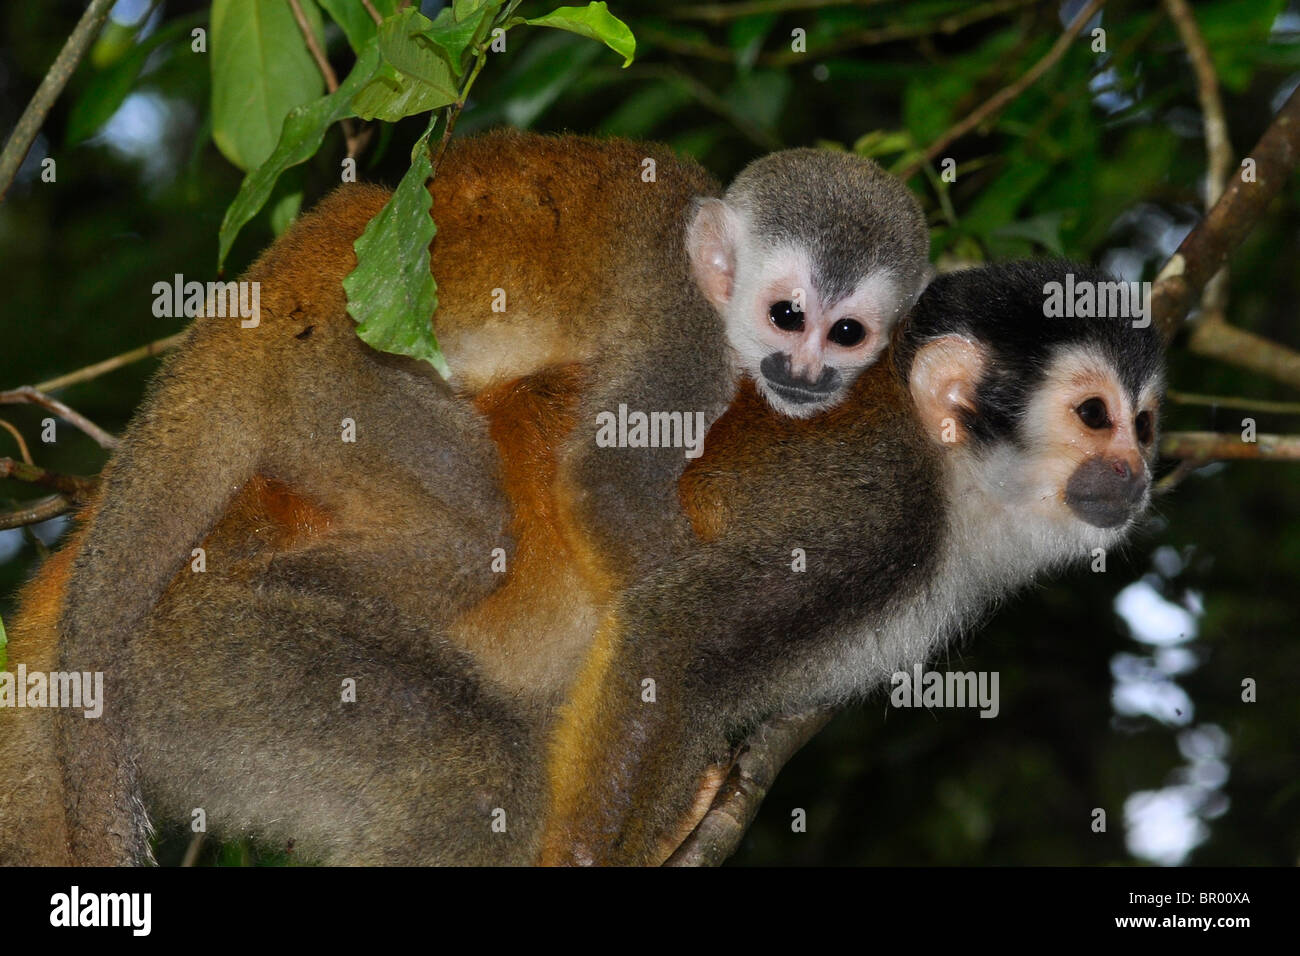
(996, 445)
(810, 260)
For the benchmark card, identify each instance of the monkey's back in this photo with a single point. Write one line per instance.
(577, 232)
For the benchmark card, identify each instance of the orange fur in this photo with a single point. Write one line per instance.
(27, 737)
(531, 631)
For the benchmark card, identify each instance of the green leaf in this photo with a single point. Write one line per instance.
(552, 67)
(645, 109)
(593, 21)
(304, 128)
(470, 9)
(100, 100)
(260, 71)
(746, 37)
(1237, 34)
(759, 96)
(357, 24)
(285, 211)
(391, 293)
(405, 45)
(1044, 229)
(113, 43)
(455, 37)
(391, 96)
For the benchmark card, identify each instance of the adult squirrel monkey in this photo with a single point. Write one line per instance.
(997, 444)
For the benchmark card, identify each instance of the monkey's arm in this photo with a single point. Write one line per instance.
(693, 655)
(623, 765)
(626, 496)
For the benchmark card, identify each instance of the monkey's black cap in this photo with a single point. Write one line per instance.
(1024, 314)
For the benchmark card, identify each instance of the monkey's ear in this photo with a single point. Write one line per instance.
(711, 246)
(944, 376)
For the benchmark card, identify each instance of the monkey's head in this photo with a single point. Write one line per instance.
(1053, 417)
(810, 259)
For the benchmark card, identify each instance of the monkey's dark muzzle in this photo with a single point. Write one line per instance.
(1105, 491)
(797, 391)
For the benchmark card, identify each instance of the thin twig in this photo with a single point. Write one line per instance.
(1218, 146)
(29, 124)
(73, 487)
(1010, 92)
(317, 54)
(1175, 477)
(18, 437)
(370, 9)
(192, 851)
(356, 142)
(454, 111)
(26, 395)
(111, 364)
(1219, 446)
(738, 799)
(1233, 401)
(34, 512)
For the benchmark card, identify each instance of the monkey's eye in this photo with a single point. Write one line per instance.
(1093, 413)
(1145, 427)
(847, 332)
(785, 316)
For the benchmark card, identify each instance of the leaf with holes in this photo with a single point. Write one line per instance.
(391, 292)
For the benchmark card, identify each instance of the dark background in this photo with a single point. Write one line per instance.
(1138, 713)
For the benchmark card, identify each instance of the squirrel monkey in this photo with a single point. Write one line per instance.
(996, 445)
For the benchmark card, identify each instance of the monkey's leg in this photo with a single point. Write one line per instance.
(179, 465)
(33, 829)
(283, 716)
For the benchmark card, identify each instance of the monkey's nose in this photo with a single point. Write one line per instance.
(1104, 491)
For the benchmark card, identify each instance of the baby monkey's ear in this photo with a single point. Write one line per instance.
(711, 243)
(944, 376)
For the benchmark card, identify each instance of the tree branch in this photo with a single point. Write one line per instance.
(1206, 247)
(85, 374)
(356, 141)
(26, 395)
(1205, 447)
(73, 487)
(29, 124)
(35, 512)
(734, 808)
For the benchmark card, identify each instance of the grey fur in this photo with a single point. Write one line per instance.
(852, 216)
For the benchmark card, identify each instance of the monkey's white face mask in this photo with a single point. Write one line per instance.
(802, 351)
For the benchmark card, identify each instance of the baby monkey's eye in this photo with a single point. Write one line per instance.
(785, 317)
(847, 332)
(1145, 427)
(1093, 413)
